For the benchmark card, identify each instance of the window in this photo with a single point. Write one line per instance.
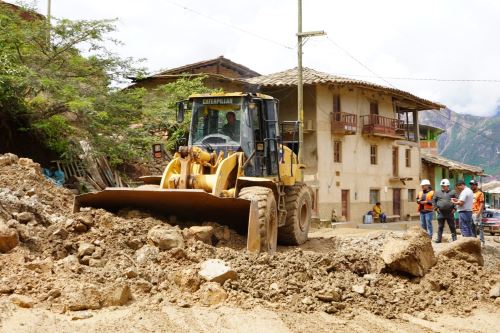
(444, 173)
(337, 151)
(374, 196)
(336, 103)
(373, 108)
(408, 158)
(411, 195)
(373, 154)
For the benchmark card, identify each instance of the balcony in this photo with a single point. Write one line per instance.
(374, 124)
(344, 123)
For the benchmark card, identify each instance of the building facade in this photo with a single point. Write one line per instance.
(359, 144)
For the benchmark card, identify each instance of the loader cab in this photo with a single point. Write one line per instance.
(243, 122)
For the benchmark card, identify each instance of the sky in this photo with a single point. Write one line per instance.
(379, 41)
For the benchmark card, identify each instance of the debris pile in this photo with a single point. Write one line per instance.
(64, 261)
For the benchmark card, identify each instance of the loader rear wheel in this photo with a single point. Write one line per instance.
(298, 204)
(268, 215)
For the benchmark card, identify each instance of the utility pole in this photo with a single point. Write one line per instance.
(49, 9)
(302, 38)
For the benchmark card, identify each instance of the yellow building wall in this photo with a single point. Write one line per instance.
(355, 172)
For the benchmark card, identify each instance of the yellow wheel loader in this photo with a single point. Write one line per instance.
(237, 170)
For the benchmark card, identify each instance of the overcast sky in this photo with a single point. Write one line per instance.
(439, 39)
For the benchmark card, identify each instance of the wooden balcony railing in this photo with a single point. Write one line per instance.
(374, 124)
(344, 123)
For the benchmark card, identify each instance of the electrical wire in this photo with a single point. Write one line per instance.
(230, 25)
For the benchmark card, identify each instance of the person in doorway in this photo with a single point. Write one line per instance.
(232, 127)
(377, 213)
(477, 210)
(464, 207)
(445, 209)
(425, 208)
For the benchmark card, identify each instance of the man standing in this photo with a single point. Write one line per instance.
(464, 207)
(424, 200)
(477, 209)
(445, 209)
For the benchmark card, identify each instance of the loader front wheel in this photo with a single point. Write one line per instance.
(268, 215)
(298, 203)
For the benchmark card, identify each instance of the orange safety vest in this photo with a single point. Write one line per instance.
(428, 197)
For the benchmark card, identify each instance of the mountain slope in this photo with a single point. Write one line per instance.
(469, 139)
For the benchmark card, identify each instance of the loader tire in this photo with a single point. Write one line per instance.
(298, 203)
(268, 215)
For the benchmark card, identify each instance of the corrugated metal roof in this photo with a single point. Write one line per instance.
(313, 77)
(450, 164)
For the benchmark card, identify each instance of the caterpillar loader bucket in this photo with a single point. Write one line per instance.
(186, 205)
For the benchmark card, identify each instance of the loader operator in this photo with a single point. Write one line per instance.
(232, 128)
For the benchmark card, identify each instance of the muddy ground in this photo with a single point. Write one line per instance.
(131, 271)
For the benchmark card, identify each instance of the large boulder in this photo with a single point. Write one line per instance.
(9, 238)
(166, 238)
(411, 254)
(216, 270)
(467, 248)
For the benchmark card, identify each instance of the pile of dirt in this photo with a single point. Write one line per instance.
(92, 259)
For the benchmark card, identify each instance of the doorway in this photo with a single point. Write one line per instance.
(345, 204)
(396, 201)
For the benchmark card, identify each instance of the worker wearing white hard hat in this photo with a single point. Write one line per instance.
(425, 207)
(445, 209)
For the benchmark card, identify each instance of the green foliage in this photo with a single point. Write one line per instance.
(56, 131)
(63, 89)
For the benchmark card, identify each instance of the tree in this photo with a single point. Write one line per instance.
(66, 90)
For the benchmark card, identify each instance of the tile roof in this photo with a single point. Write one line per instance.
(450, 164)
(313, 77)
(243, 70)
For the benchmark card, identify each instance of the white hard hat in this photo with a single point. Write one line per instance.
(425, 182)
(445, 182)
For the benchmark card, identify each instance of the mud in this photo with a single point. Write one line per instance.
(94, 259)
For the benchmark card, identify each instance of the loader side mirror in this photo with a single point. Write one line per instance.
(181, 106)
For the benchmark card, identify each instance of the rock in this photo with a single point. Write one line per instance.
(8, 159)
(85, 219)
(40, 266)
(23, 161)
(497, 301)
(334, 295)
(9, 238)
(85, 297)
(61, 232)
(201, 233)
(85, 249)
(166, 238)
(412, 254)
(131, 272)
(81, 315)
(134, 243)
(25, 217)
(495, 290)
(212, 293)
(55, 293)
(146, 253)
(143, 286)
(71, 263)
(466, 248)
(187, 280)
(216, 270)
(117, 295)
(359, 288)
(307, 300)
(22, 301)
(96, 262)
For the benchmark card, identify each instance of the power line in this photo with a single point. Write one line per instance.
(390, 84)
(423, 78)
(230, 25)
